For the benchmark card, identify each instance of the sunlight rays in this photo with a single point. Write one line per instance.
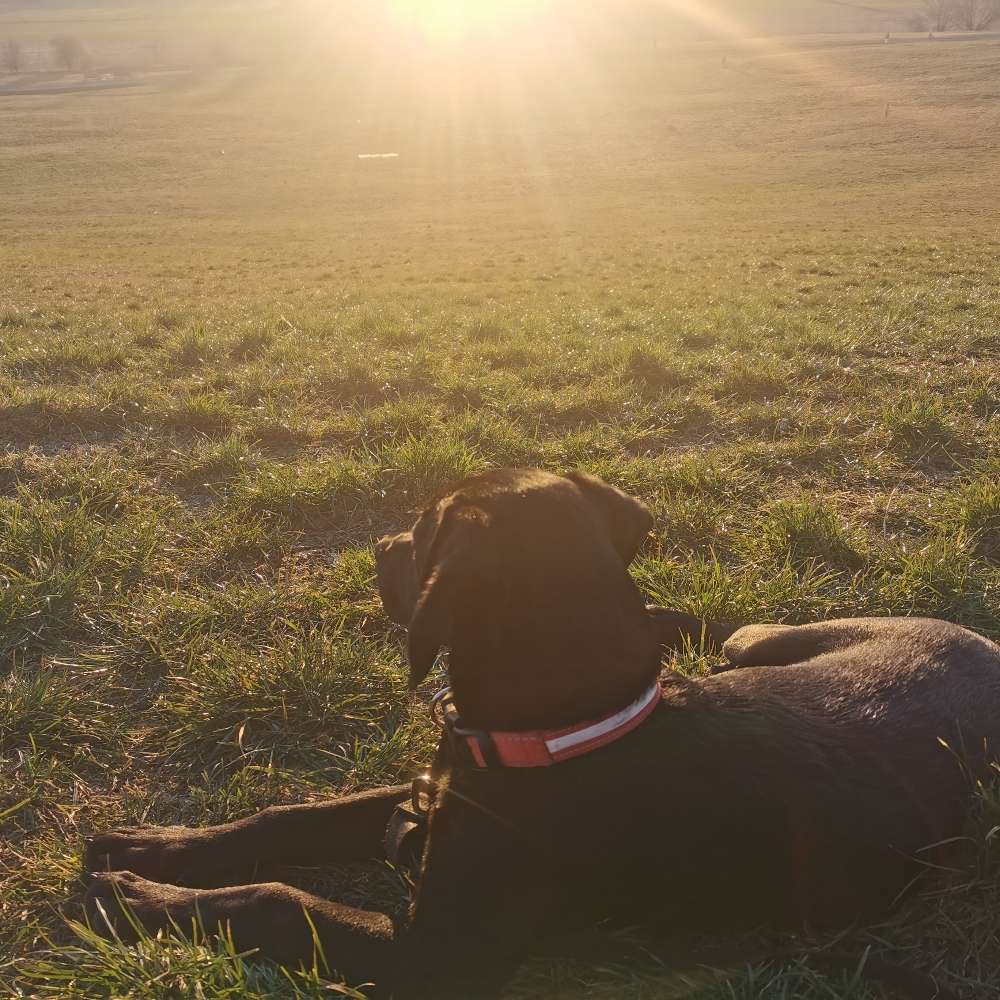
(452, 20)
(804, 62)
(513, 90)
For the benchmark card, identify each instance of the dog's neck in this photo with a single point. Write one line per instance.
(561, 677)
(521, 748)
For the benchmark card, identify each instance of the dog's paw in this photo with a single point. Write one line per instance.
(158, 853)
(127, 905)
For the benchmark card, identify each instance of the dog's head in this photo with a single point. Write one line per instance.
(523, 576)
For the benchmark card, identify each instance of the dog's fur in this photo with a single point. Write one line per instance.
(801, 784)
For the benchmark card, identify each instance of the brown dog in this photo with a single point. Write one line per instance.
(800, 786)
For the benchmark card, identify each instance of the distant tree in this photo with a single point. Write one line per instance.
(939, 15)
(68, 52)
(12, 56)
(976, 15)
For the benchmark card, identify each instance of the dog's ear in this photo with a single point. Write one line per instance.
(397, 576)
(444, 546)
(628, 521)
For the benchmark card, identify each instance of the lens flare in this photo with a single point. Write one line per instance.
(452, 20)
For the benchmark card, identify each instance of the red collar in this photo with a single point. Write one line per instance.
(543, 747)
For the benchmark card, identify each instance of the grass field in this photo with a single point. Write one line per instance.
(754, 283)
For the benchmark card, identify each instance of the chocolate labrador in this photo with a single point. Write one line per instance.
(803, 783)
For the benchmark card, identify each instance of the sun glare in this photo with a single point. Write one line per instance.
(452, 20)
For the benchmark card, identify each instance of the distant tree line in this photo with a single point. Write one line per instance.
(959, 15)
(68, 53)
(12, 56)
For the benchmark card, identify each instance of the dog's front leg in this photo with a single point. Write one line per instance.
(286, 925)
(488, 896)
(270, 920)
(348, 829)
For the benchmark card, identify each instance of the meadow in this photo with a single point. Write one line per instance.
(752, 281)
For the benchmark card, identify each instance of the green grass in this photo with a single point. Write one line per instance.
(154, 970)
(232, 355)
